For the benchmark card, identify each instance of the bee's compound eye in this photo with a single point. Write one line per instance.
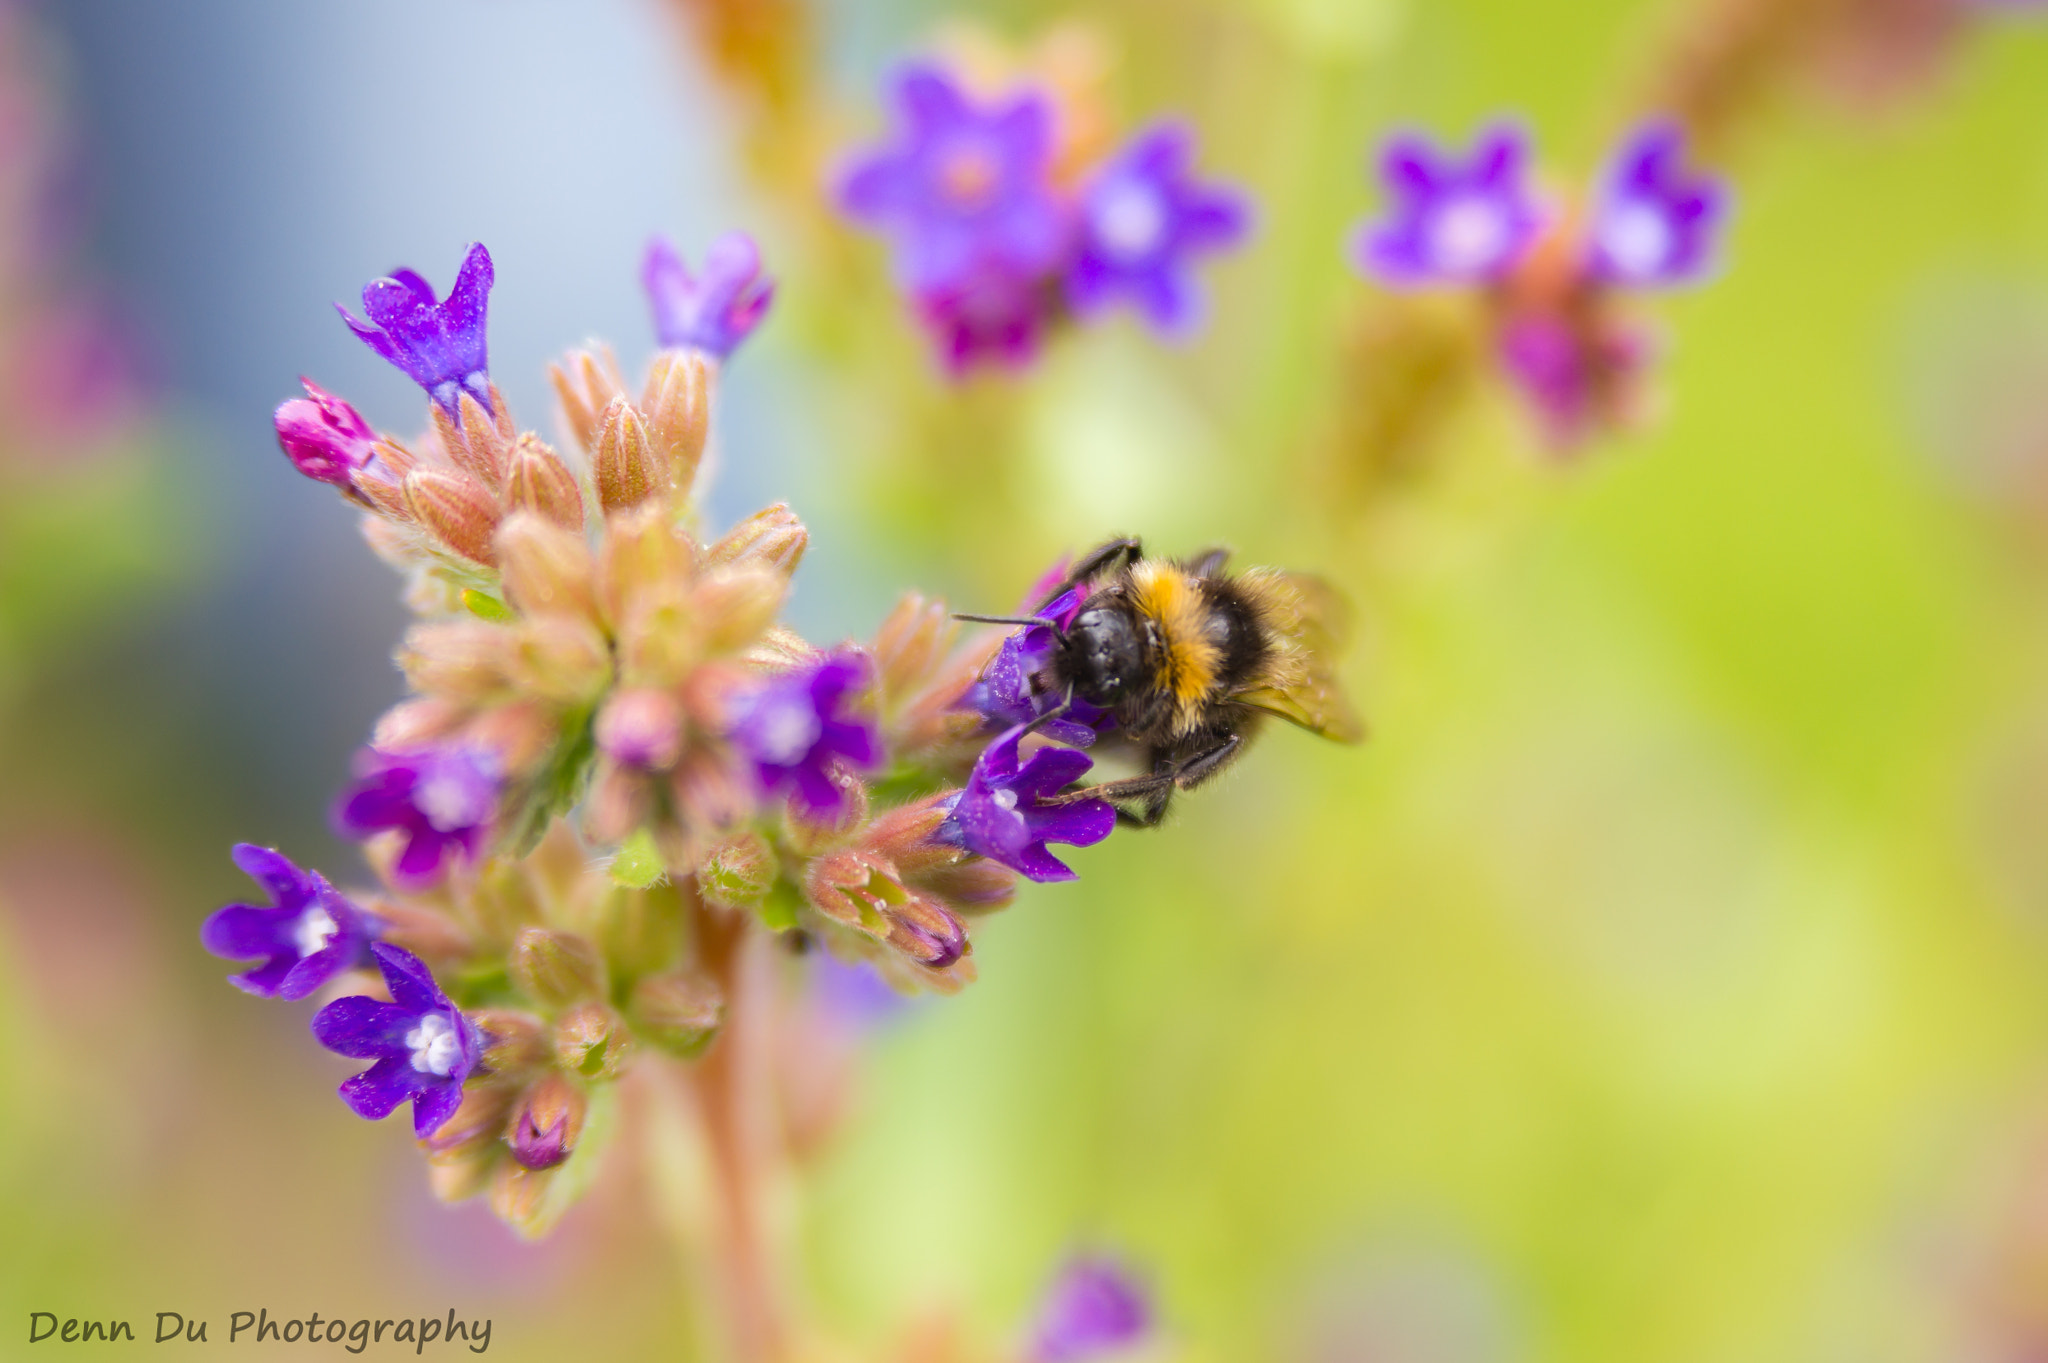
(1103, 657)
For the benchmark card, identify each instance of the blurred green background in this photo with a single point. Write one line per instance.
(1665, 981)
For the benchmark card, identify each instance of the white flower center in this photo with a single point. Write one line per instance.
(448, 798)
(785, 728)
(314, 930)
(1469, 235)
(1005, 799)
(1130, 220)
(1636, 238)
(434, 1044)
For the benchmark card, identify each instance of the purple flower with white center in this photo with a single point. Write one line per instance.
(1006, 812)
(964, 188)
(438, 344)
(1006, 693)
(1452, 222)
(712, 312)
(423, 1045)
(1095, 1308)
(442, 799)
(795, 729)
(325, 438)
(1655, 225)
(1143, 220)
(308, 934)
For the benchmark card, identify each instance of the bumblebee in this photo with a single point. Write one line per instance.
(1190, 661)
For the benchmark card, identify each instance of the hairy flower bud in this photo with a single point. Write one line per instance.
(562, 658)
(678, 406)
(556, 968)
(514, 1042)
(478, 1121)
(641, 727)
(591, 1040)
(810, 830)
(546, 568)
(465, 660)
(679, 1012)
(519, 1197)
(856, 888)
(546, 1123)
(625, 464)
(910, 644)
(473, 441)
(537, 480)
(586, 383)
(643, 555)
(427, 933)
(734, 605)
(738, 873)
(927, 932)
(455, 509)
(325, 438)
(774, 537)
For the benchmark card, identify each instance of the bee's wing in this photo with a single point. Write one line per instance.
(1314, 700)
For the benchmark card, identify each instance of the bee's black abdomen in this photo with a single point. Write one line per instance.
(1234, 628)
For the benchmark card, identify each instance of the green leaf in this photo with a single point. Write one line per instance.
(487, 607)
(638, 865)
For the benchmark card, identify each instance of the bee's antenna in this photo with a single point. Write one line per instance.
(1001, 620)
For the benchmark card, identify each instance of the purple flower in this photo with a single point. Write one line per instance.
(965, 189)
(854, 994)
(1008, 693)
(439, 345)
(424, 1047)
(1094, 1308)
(794, 730)
(1576, 378)
(1006, 813)
(306, 936)
(1143, 220)
(325, 438)
(712, 312)
(1452, 222)
(1655, 225)
(442, 799)
(992, 317)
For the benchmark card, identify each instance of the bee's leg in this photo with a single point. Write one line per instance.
(1156, 790)
(1106, 557)
(1209, 562)
(1207, 763)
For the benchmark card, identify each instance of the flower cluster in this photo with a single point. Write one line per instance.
(615, 760)
(1551, 277)
(997, 238)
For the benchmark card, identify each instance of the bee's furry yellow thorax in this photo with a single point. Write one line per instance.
(1187, 658)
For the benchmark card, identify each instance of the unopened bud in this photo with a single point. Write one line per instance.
(975, 884)
(903, 836)
(422, 722)
(562, 659)
(911, 643)
(519, 1197)
(474, 444)
(734, 605)
(738, 873)
(537, 480)
(809, 834)
(556, 968)
(519, 734)
(678, 405)
(640, 927)
(625, 465)
(774, 537)
(383, 491)
(643, 554)
(455, 509)
(478, 1122)
(927, 932)
(546, 569)
(855, 888)
(427, 933)
(641, 727)
(463, 660)
(457, 1178)
(514, 1042)
(591, 1040)
(679, 1013)
(325, 438)
(547, 1123)
(585, 384)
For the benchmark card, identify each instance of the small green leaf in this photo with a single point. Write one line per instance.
(487, 607)
(638, 865)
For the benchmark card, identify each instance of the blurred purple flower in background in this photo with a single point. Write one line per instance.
(1655, 225)
(1143, 220)
(853, 994)
(307, 935)
(441, 799)
(714, 311)
(1095, 1308)
(794, 729)
(438, 344)
(1006, 813)
(325, 438)
(424, 1047)
(1452, 221)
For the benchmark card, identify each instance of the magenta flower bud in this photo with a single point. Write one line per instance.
(546, 1123)
(1095, 1309)
(324, 437)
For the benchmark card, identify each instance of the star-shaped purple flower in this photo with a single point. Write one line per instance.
(1452, 222)
(423, 1045)
(438, 344)
(1143, 220)
(1006, 813)
(712, 312)
(1095, 1308)
(1007, 692)
(964, 188)
(308, 934)
(1655, 225)
(325, 438)
(795, 729)
(441, 798)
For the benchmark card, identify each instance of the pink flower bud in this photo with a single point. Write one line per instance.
(324, 437)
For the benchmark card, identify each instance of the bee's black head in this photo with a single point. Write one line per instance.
(1103, 655)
